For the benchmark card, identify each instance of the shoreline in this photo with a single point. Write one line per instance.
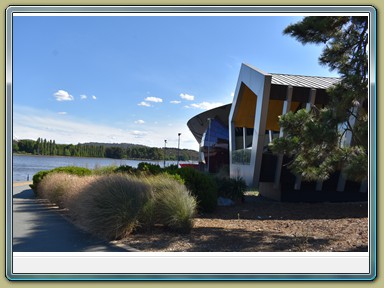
(128, 159)
(21, 183)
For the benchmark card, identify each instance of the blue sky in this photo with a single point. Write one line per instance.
(139, 79)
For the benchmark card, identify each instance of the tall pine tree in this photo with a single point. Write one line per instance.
(334, 137)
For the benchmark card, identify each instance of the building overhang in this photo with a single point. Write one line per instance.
(199, 123)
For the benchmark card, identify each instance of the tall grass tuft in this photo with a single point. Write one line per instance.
(73, 170)
(111, 204)
(59, 188)
(172, 204)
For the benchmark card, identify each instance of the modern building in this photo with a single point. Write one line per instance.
(210, 129)
(251, 122)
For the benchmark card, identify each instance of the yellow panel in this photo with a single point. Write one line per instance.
(294, 106)
(275, 109)
(245, 116)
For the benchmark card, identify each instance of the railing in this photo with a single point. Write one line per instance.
(242, 156)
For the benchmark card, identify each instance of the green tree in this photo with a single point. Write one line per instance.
(37, 147)
(15, 146)
(326, 139)
(26, 146)
(115, 152)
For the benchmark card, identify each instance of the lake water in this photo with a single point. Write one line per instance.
(25, 166)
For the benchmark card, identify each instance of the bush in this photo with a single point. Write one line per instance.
(223, 172)
(73, 170)
(231, 188)
(113, 205)
(176, 177)
(149, 168)
(172, 205)
(125, 169)
(104, 170)
(202, 186)
(171, 169)
(36, 179)
(59, 188)
(110, 206)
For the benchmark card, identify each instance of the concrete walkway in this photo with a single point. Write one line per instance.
(37, 227)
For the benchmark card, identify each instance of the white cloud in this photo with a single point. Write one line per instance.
(187, 97)
(62, 113)
(175, 102)
(31, 123)
(139, 134)
(205, 105)
(84, 97)
(145, 104)
(153, 99)
(139, 121)
(233, 94)
(62, 95)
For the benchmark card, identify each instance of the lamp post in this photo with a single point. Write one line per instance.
(165, 147)
(209, 140)
(178, 150)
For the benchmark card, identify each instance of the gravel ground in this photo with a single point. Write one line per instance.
(260, 225)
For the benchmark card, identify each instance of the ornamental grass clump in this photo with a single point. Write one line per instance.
(72, 170)
(111, 204)
(59, 188)
(172, 204)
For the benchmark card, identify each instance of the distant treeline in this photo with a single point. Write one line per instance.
(101, 150)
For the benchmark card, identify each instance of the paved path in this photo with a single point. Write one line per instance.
(37, 227)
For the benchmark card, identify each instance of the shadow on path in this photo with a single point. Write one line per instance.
(26, 194)
(37, 227)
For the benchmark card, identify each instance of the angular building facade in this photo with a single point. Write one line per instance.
(252, 123)
(210, 130)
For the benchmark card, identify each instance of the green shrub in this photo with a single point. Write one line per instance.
(223, 172)
(73, 170)
(172, 204)
(125, 169)
(112, 204)
(176, 177)
(36, 179)
(202, 186)
(231, 188)
(104, 170)
(149, 168)
(171, 169)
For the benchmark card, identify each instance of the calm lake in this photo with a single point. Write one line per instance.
(25, 166)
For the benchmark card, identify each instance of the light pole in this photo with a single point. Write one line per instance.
(209, 139)
(165, 147)
(178, 150)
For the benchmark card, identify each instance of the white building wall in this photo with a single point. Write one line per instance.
(259, 83)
